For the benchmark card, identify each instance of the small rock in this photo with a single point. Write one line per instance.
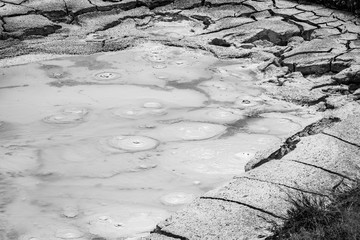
(219, 42)
(357, 92)
(348, 75)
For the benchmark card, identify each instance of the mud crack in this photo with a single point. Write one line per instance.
(244, 204)
(290, 143)
(343, 140)
(285, 186)
(324, 169)
(159, 231)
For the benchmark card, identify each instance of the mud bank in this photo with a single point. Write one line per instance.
(304, 54)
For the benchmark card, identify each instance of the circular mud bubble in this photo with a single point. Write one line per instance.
(275, 126)
(159, 66)
(244, 156)
(121, 223)
(155, 105)
(133, 143)
(224, 116)
(63, 119)
(177, 198)
(248, 101)
(155, 57)
(148, 108)
(69, 233)
(133, 113)
(106, 76)
(193, 130)
(76, 111)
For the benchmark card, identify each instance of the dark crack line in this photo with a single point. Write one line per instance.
(307, 52)
(323, 85)
(244, 204)
(343, 140)
(224, 29)
(120, 20)
(211, 5)
(159, 231)
(284, 185)
(324, 169)
(291, 142)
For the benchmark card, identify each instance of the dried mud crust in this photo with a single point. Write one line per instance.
(305, 53)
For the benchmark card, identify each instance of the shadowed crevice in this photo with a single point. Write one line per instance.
(159, 231)
(290, 143)
(324, 169)
(343, 140)
(244, 204)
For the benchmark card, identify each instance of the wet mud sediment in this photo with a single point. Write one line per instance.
(200, 91)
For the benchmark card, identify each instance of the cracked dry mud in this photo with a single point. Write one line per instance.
(301, 53)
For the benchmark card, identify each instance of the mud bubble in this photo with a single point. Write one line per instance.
(133, 143)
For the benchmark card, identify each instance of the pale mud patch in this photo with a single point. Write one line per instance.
(188, 131)
(217, 157)
(110, 144)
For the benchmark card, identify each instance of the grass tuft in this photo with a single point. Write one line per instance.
(336, 217)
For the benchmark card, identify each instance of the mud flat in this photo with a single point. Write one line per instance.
(218, 87)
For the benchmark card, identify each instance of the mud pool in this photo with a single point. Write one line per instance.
(106, 146)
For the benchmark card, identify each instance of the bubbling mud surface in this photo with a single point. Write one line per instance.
(106, 146)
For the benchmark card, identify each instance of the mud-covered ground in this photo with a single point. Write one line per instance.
(305, 54)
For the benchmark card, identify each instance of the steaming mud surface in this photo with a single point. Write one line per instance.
(106, 146)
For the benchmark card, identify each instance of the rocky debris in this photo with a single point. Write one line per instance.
(30, 24)
(273, 29)
(79, 7)
(219, 42)
(11, 9)
(346, 60)
(315, 56)
(291, 143)
(349, 75)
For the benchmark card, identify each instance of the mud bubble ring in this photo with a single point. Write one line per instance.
(67, 116)
(177, 198)
(224, 115)
(107, 76)
(132, 143)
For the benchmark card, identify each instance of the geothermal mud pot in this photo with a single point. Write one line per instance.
(106, 146)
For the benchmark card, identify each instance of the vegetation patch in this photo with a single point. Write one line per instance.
(335, 217)
(350, 5)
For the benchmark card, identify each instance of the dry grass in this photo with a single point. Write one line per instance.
(350, 5)
(318, 218)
